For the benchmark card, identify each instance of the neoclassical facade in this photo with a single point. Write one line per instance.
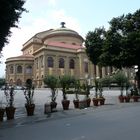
(52, 52)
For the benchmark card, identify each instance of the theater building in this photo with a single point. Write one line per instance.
(52, 52)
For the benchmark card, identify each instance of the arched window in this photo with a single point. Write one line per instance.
(19, 69)
(61, 63)
(50, 62)
(71, 64)
(29, 69)
(11, 69)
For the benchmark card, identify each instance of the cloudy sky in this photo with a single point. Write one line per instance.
(79, 15)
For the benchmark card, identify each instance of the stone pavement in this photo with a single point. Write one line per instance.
(22, 119)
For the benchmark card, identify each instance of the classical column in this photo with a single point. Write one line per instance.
(97, 71)
(103, 72)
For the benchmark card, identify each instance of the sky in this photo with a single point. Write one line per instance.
(80, 15)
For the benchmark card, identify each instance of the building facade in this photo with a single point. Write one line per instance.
(52, 52)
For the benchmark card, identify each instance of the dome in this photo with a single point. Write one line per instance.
(64, 32)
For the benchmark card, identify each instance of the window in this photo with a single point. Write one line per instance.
(19, 69)
(61, 63)
(11, 69)
(29, 69)
(86, 67)
(50, 62)
(71, 64)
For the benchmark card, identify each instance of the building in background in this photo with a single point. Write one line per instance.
(52, 52)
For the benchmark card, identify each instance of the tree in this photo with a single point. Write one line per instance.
(2, 82)
(10, 12)
(120, 44)
(94, 43)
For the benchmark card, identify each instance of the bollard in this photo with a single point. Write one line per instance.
(47, 108)
(82, 104)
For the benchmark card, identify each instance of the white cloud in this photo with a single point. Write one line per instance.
(33, 26)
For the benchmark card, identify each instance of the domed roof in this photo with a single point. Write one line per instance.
(63, 31)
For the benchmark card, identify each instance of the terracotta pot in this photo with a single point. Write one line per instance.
(10, 112)
(2, 110)
(53, 106)
(127, 99)
(121, 99)
(95, 101)
(76, 103)
(135, 98)
(65, 104)
(30, 109)
(101, 101)
(88, 102)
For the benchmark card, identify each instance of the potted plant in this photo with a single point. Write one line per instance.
(52, 81)
(95, 99)
(86, 87)
(29, 94)
(127, 86)
(101, 98)
(9, 94)
(120, 79)
(134, 93)
(65, 82)
(77, 90)
(2, 111)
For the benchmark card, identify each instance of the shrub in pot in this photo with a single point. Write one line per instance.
(29, 96)
(2, 111)
(10, 109)
(120, 78)
(95, 99)
(52, 82)
(76, 91)
(65, 83)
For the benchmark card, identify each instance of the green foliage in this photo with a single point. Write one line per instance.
(106, 81)
(10, 12)
(121, 79)
(94, 43)
(119, 45)
(29, 92)
(2, 82)
(65, 82)
(52, 82)
(9, 94)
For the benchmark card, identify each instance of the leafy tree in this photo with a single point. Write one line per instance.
(2, 82)
(10, 12)
(94, 44)
(119, 45)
